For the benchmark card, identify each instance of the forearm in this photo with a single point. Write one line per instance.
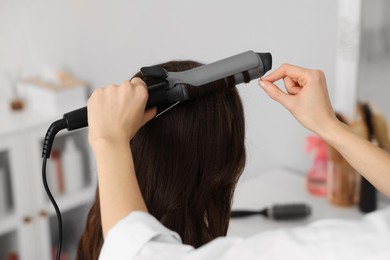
(367, 159)
(118, 186)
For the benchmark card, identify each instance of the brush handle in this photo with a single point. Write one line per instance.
(246, 213)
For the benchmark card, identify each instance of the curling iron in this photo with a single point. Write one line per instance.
(171, 88)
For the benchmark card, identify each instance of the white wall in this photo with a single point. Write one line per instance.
(107, 41)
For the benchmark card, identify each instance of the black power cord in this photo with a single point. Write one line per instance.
(58, 212)
(47, 145)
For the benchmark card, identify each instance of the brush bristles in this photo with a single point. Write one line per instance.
(290, 211)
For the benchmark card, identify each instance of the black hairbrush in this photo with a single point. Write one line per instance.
(277, 212)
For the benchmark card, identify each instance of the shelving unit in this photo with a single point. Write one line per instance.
(8, 223)
(28, 228)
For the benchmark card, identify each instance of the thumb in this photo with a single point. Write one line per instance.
(274, 92)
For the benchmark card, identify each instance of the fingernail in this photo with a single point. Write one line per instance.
(262, 84)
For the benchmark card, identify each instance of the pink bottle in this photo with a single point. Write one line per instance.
(316, 176)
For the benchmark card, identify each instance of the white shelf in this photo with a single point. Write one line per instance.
(70, 201)
(8, 223)
(21, 138)
(14, 121)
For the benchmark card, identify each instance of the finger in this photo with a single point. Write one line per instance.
(149, 115)
(111, 86)
(275, 93)
(137, 81)
(291, 86)
(286, 70)
(288, 83)
(140, 85)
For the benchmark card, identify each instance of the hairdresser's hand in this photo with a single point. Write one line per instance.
(307, 96)
(115, 113)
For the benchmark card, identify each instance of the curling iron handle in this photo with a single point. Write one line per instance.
(77, 118)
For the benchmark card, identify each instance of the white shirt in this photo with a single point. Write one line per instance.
(141, 236)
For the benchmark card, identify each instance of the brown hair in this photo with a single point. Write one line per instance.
(187, 163)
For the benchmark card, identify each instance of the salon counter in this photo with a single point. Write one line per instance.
(281, 186)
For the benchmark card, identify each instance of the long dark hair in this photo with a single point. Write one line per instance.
(187, 163)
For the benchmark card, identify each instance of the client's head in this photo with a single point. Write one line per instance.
(187, 162)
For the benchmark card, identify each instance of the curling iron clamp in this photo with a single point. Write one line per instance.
(171, 87)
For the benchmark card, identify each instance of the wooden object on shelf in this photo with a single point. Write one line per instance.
(17, 104)
(343, 182)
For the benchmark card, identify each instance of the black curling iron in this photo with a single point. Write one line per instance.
(171, 88)
(169, 91)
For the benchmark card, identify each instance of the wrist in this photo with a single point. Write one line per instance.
(329, 131)
(105, 143)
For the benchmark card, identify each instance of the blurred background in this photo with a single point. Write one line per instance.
(89, 44)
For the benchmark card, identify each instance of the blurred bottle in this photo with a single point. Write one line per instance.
(316, 176)
(72, 162)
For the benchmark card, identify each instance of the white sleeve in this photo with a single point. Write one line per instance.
(126, 239)
(140, 236)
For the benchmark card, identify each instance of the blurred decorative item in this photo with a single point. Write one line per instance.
(56, 157)
(12, 256)
(52, 177)
(54, 92)
(3, 192)
(55, 176)
(345, 186)
(343, 181)
(16, 103)
(72, 162)
(317, 174)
